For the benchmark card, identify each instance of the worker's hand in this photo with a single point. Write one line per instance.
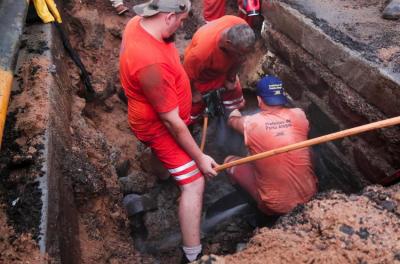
(230, 85)
(206, 165)
(235, 113)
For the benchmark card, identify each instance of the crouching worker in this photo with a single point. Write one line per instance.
(277, 183)
(159, 102)
(213, 58)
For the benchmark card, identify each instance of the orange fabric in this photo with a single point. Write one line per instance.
(213, 9)
(286, 179)
(173, 157)
(205, 63)
(146, 59)
(233, 99)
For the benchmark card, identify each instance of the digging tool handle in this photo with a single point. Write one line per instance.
(307, 143)
(204, 133)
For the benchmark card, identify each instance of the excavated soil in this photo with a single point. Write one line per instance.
(105, 155)
(332, 228)
(16, 248)
(20, 159)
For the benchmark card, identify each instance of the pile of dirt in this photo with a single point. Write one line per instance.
(332, 228)
(15, 248)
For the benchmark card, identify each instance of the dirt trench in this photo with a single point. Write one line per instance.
(106, 162)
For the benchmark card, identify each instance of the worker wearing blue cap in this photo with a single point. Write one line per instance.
(281, 182)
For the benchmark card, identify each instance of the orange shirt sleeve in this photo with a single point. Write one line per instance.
(193, 66)
(157, 83)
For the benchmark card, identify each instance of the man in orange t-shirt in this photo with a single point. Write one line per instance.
(278, 183)
(159, 102)
(213, 58)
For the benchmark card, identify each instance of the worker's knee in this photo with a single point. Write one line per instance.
(195, 187)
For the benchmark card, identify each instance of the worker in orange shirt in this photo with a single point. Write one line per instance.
(213, 58)
(280, 182)
(159, 102)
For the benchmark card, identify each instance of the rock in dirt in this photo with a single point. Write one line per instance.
(135, 182)
(363, 233)
(135, 203)
(122, 168)
(347, 229)
(392, 10)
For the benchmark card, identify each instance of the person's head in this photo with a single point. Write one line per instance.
(169, 14)
(238, 40)
(270, 92)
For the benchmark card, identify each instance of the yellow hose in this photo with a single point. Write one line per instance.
(47, 11)
(6, 80)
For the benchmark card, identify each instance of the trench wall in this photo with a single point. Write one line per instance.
(62, 236)
(41, 125)
(338, 89)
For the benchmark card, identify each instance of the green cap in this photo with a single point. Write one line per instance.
(154, 7)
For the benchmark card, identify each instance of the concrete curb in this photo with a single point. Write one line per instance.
(374, 83)
(41, 72)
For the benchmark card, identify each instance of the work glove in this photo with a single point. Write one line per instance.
(47, 11)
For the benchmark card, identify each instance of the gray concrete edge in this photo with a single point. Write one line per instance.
(373, 83)
(12, 21)
(59, 223)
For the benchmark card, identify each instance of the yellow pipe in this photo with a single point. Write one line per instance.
(6, 80)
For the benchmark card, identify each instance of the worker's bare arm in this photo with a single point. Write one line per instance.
(161, 95)
(236, 121)
(182, 135)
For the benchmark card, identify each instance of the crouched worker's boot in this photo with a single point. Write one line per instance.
(186, 252)
(392, 10)
(120, 9)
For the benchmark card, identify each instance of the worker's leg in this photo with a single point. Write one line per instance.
(119, 6)
(185, 172)
(116, 3)
(244, 176)
(233, 99)
(190, 206)
(197, 111)
(213, 9)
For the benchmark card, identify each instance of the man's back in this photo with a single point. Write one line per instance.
(286, 179)
(140, 51)
(204, 61)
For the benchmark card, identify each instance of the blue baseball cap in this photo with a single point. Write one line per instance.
(271, 91)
